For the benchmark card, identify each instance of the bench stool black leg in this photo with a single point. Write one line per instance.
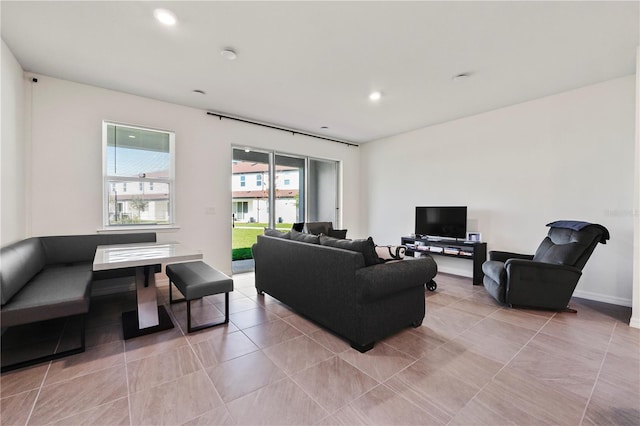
(171, 301)
(203, 326)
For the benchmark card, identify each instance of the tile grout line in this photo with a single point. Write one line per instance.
(204, 370)
(595, 382)
(444, 410)
(503, 367)
(33, 406)
(44, 378)
(126, 375)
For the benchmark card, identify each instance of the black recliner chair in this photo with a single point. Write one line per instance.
(546, 279)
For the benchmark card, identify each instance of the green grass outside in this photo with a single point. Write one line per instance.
(245, 235)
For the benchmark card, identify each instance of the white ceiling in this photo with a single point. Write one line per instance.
(304, 65)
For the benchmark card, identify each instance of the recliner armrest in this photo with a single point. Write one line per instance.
(545, 285)
(503, 256)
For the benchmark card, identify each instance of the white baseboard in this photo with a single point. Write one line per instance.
(598, 297)
(635, 322)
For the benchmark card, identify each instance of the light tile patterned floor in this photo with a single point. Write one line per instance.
(471, 362)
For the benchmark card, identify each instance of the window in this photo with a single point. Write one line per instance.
(243, 180)
(287, 182)
(258, 180)
(137, 156)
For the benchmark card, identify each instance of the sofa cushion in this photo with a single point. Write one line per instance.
(305, 238)
(270, 232)
(299, 226)
(19, 262)
(57, 291)
(366, 247)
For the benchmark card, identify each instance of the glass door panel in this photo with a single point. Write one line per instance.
(322, 191)
(250, 203)
(290, 191)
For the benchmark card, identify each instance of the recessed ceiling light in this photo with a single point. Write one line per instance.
(165, 16)
(375, 96)
(200, 92)
(228, 54)
(461, 77)
(324, 127)
(132, 136)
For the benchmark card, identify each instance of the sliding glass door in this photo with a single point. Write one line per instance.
(275, 190)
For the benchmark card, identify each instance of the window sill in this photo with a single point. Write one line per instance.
(134, 228)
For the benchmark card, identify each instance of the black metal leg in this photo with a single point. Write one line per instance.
(203, 326)
(171, 301)
(189, 315)
(226, 308)
(54, 356)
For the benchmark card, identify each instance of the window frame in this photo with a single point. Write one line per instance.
(108, 179)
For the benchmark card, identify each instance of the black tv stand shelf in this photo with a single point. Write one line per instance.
(472, 250)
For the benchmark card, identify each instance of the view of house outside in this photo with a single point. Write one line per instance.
(250, 208)
(138, 175)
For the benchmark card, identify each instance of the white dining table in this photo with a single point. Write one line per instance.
(148, 317)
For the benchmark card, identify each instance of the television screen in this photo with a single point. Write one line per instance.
(447, 222)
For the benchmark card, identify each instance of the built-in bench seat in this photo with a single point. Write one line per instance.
(44, 278)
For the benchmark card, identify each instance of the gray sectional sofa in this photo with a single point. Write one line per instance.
(43, 278)
(341, 289)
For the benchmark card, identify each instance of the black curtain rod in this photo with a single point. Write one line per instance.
(293, 132)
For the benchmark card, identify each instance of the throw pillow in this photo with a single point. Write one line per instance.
(298, 227)
(305, 238)
(386, 253)
(270, 232)
(366, 247)
(337, 233)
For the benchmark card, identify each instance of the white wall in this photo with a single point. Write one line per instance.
(567, 156)
(635, 313)
(12, 149)
(66, 163)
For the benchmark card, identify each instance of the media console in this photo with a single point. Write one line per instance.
(472, 250)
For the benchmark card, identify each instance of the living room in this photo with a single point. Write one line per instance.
(568, 153)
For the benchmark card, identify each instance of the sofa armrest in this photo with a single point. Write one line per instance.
(545, 285)
(503, 256)
(379, 281)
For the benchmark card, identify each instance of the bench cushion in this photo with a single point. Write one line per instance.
(197, 279)
(55, 292)
(19, 263)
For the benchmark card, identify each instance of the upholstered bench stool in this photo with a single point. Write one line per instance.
(196, 280)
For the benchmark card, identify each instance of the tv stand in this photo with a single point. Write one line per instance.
(472, 250)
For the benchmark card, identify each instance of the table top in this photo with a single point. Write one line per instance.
(117, 256)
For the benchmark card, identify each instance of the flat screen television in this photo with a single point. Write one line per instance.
(443, 222)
